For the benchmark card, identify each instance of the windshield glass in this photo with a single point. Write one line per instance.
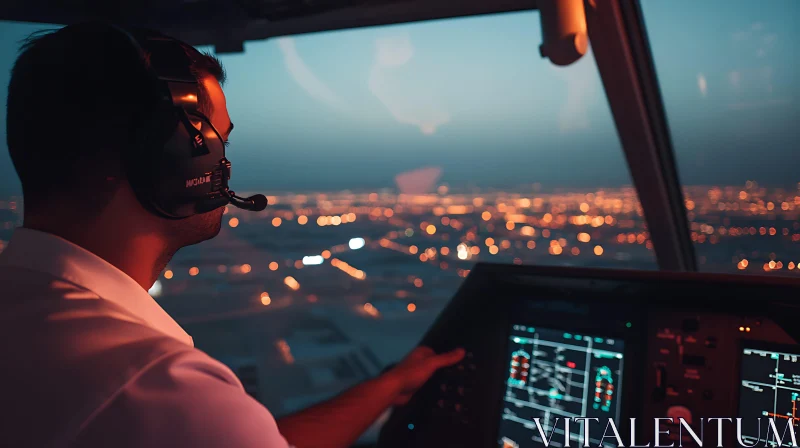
(729, 78)
(394, 159)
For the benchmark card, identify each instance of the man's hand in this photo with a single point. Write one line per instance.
(413, 371)
(339, 422)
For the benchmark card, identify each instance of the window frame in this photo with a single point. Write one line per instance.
(625, 63)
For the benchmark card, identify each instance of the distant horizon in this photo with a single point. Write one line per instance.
(466, 190)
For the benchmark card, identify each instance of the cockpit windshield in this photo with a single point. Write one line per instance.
(731, 95)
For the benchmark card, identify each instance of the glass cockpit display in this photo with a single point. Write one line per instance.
(770, 389)
(555, 375)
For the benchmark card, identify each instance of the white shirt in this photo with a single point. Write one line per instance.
(89, 359)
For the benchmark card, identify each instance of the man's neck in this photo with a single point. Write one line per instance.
(141, 255)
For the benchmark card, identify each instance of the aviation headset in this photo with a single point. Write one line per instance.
(177, 166)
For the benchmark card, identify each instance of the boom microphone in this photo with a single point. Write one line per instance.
(254, 203)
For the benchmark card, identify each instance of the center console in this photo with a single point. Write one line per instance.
(553, 353)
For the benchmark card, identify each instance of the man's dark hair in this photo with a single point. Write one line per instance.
(76, 97)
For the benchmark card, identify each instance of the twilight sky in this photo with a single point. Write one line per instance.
(351, 109)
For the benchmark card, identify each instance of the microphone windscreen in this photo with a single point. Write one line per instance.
(259, 202)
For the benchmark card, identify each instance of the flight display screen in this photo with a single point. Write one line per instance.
(770, 388)
(555, 375)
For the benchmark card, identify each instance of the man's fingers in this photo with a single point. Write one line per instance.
(422, 352)
(449, 358)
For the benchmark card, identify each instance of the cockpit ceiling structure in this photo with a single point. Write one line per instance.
(227, 24)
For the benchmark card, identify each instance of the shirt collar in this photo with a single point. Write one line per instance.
(48, 253)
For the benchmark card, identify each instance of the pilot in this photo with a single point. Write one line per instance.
(89, 359)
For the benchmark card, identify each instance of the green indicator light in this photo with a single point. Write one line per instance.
(567, 336)
(628, 324)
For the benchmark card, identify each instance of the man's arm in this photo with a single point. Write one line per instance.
(339, 422)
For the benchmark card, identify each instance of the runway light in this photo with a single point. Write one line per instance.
(356, 243)
(291, 283)
(313, 260)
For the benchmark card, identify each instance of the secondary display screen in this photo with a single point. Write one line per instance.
(553, 374)
(770, 388)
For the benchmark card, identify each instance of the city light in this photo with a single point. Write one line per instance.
(285, 351)
(356, 243)
(463, 252)
(155, 290)
(194, 270)
(371, 310)
(349, 270)
(265, 298)
(313, 260)
(291, 283)
(168, 274)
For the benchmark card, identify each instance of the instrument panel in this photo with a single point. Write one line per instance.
(556, 352)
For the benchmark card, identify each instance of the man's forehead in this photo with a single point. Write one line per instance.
(218, 110)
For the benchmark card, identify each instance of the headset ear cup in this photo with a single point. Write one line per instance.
(172, 165)
(144, 161)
